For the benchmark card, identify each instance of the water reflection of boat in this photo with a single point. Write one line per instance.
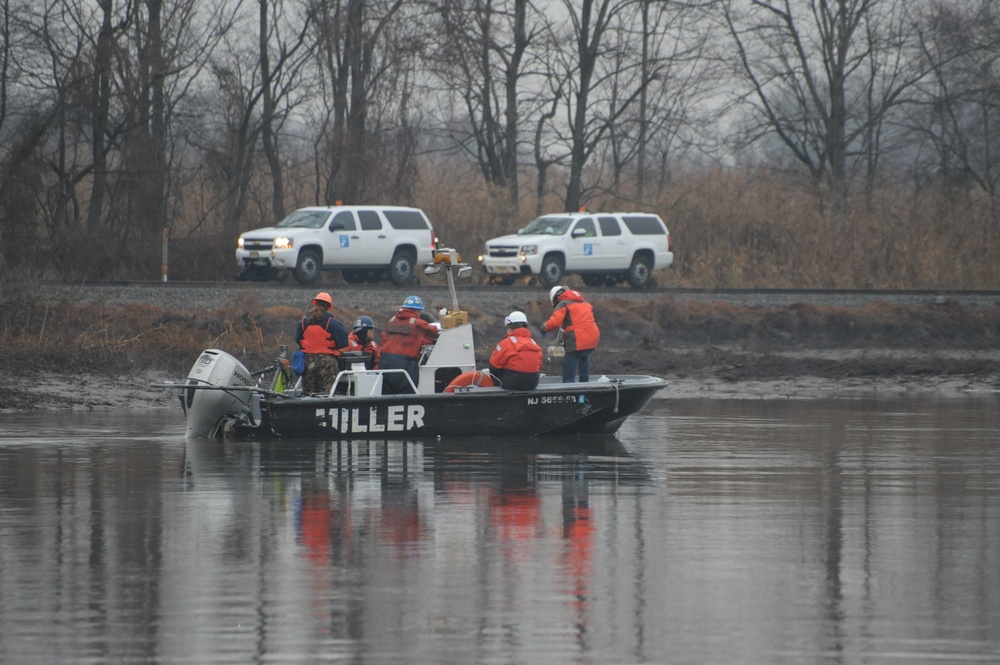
(598, 458)
(365, 514)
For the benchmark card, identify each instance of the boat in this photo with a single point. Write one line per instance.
(221, 398)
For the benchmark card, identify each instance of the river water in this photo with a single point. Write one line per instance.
(715, 531)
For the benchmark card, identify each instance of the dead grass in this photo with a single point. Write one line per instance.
(731, 228)
(85, 337)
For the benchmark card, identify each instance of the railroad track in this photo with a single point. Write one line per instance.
(171, 294)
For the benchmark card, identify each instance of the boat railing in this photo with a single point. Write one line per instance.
(366, 382)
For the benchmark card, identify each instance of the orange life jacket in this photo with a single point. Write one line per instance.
(354, 344)
(406, 333)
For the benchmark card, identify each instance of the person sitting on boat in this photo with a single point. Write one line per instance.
(402, 339)
(575, 316)
(320, 336)
(362, 338)
(517, 359)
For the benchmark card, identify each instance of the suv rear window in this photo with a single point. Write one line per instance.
(369, 220)
(405, 219)
(644, 225)
(609, 226)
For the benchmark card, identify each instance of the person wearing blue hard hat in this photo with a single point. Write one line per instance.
(402, 339)
(362, 338)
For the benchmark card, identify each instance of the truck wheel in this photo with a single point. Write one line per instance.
(640, 273)
(401, 267)
(552, 271)
(308, 267)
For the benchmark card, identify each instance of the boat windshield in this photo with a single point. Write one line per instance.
(305, 219)
(552, 226)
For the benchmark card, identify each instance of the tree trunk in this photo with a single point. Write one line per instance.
(267, 120)
(101, 108)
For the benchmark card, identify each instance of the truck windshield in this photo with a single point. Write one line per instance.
(553, 226)
(305, 219)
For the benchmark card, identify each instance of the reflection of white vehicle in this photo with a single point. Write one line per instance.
(365, 242)
(603, 248)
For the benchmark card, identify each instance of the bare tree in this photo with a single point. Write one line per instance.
(101, 104)
(672, 75)
(815, 76)
(958, 116)
(279, 82)
(593, 106)
(542, 161)
(5, 56)
(483, 57)
(367, 54)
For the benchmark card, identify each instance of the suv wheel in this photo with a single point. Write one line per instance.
(307, 268)
(401, 267)
(640, 273)
(552, 271)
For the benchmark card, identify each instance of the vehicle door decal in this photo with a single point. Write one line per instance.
(345, 241)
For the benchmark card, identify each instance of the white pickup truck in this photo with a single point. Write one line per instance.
(366, 243)
(603, 248)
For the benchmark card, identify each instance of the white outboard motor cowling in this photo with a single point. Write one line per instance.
(217, 386)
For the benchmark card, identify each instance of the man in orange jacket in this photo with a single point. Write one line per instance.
(517, 359)
(575, 316)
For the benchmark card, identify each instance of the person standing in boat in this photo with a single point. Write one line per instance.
(362, 338)
(402, 339)
(575, 317)
(517, 359)
(319, 336)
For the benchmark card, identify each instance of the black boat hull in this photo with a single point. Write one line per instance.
(553, 409)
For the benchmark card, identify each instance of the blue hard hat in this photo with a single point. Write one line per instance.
(413, 302)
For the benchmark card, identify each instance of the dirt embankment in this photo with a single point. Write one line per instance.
(94, 355)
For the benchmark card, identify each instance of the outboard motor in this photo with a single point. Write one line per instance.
(217, 386)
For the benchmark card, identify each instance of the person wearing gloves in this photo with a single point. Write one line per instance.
(575, 316)
(320, 336)
(402, 338)
(517, 359)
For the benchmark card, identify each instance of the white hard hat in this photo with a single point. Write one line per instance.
(515, 317)
(555, 293)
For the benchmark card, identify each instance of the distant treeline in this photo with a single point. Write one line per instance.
(785, 142)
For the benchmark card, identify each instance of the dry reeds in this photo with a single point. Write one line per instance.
(731, 228)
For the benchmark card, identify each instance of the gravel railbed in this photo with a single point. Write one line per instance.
(381, 298)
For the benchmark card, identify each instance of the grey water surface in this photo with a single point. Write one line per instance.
(715, 531)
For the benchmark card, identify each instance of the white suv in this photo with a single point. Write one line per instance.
(603, 248)
(366, 243)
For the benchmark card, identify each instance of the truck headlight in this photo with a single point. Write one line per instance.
(239, 243)
(529, 250)
(282, 243)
